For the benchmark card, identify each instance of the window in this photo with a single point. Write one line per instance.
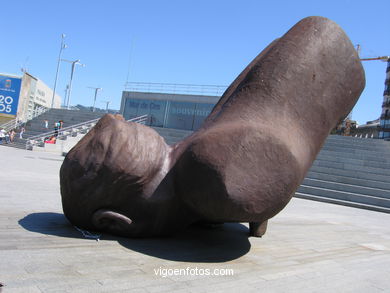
(201, 113)
(181, 115)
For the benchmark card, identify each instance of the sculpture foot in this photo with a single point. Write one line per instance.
(257, 229)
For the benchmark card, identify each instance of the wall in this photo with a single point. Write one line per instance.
(44, 94)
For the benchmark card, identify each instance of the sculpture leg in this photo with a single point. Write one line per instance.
(257, 229)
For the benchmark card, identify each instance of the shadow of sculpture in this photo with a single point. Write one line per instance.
(194, 244)
(50, 224)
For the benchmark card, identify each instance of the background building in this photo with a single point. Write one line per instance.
(24, 97)
(170, 105)
(385, 116)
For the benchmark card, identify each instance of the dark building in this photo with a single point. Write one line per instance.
(385, 116)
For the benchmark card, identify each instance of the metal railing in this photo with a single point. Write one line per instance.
(73, 130)
(15, 123)
(11, 124)
(36, 112)
(172, 88)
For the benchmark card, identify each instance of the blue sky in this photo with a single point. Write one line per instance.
(190, 42)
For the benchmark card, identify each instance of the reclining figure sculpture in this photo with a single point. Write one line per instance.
(245, 162)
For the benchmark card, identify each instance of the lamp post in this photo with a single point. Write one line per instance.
(94, 99)
(66, 94)
(63, 46)
(74, 63)
(107, 103)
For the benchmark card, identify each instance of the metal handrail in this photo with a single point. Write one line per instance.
(15, 123)
(6, 125)
(40, 138)
(63, 129)
(173, 88)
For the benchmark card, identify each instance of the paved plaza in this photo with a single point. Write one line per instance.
(309, 247)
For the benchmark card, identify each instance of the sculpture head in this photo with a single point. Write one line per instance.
(109, 180)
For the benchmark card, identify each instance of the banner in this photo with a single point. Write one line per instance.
(9, 94)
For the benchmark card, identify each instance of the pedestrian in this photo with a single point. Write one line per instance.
(60, 125)
(12, 135)
(2, 135)
(56, 126)
(51, 140)
(7, 140)
(46, 124)
(22, 130)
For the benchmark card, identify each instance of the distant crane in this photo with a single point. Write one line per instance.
(107, 103)
(96, 92)
(383, 58)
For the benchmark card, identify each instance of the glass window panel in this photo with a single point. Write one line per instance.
(157, 113)
(144, 108)
(201, 112)
(181, 115)
(131, 108)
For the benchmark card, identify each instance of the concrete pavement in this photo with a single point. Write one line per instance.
(309, 247)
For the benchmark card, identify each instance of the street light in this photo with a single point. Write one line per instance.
(66, 94)
(74, 63)
(63, 46)
(94, 99)
(107, 103)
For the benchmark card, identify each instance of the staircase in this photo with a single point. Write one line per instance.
(35, 126)
(70, 117)
(68, 137)
(350, 171)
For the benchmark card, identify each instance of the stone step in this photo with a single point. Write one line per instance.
(61, 147)
(346, 196)
(70, 117)
(343, 187)
(373, 156)
(351, 173)
(349, 145)
(342, 202)
(353, 161)
(361, 142)
(348, 180)
(355, 140)
(382, 200)
(351, 167)
(357, 152)
(17, 145)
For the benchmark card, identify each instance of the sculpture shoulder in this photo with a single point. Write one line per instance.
(242, 167)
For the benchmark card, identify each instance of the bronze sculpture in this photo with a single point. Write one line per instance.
(245, 162)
